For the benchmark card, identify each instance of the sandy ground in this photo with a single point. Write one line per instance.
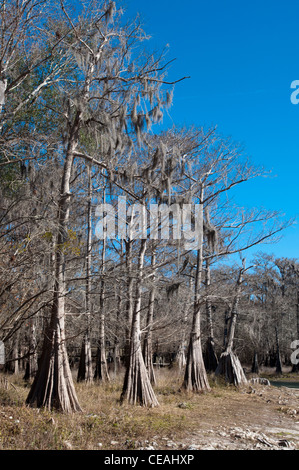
(260, 417)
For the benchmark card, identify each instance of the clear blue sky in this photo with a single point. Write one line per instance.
(242, 57)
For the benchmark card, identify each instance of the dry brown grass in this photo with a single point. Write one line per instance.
(104, 419)
(107, 424)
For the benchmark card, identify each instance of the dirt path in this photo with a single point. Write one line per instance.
(265, 418)
(258, 417)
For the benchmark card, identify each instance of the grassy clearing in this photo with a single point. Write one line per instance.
(104, 423)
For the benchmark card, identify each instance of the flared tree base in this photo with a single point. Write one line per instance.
(53, 386)
(231, 369)
(195, 379)
(137, 389)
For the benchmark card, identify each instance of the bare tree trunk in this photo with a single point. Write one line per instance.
(16, 353)
(226, 320)
(101, 372)
(129, 302)
(116, 351)
(147, 345)
(137, 388)
(181, 354)
(85, 364)
(34, 358)
(120, 303)
(255, 364)
(53, 385)
(278, 357)
(181, 357)
(211, 360)
(31, 364)
(229, 365)
(196, 379)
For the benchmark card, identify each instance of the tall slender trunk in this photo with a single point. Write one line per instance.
(211, 360)
(116, 351)
(85, 364)
(101, 372)
(147, 345)
(31, 364)
(234, 311)
(129, 300)
(120, 304)
(53, 385)
(226, 321)
(137, 388)
(195, 378)
(16, 352)
(255, 364)
(278, 356)
(229, 365)
(181, 354)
